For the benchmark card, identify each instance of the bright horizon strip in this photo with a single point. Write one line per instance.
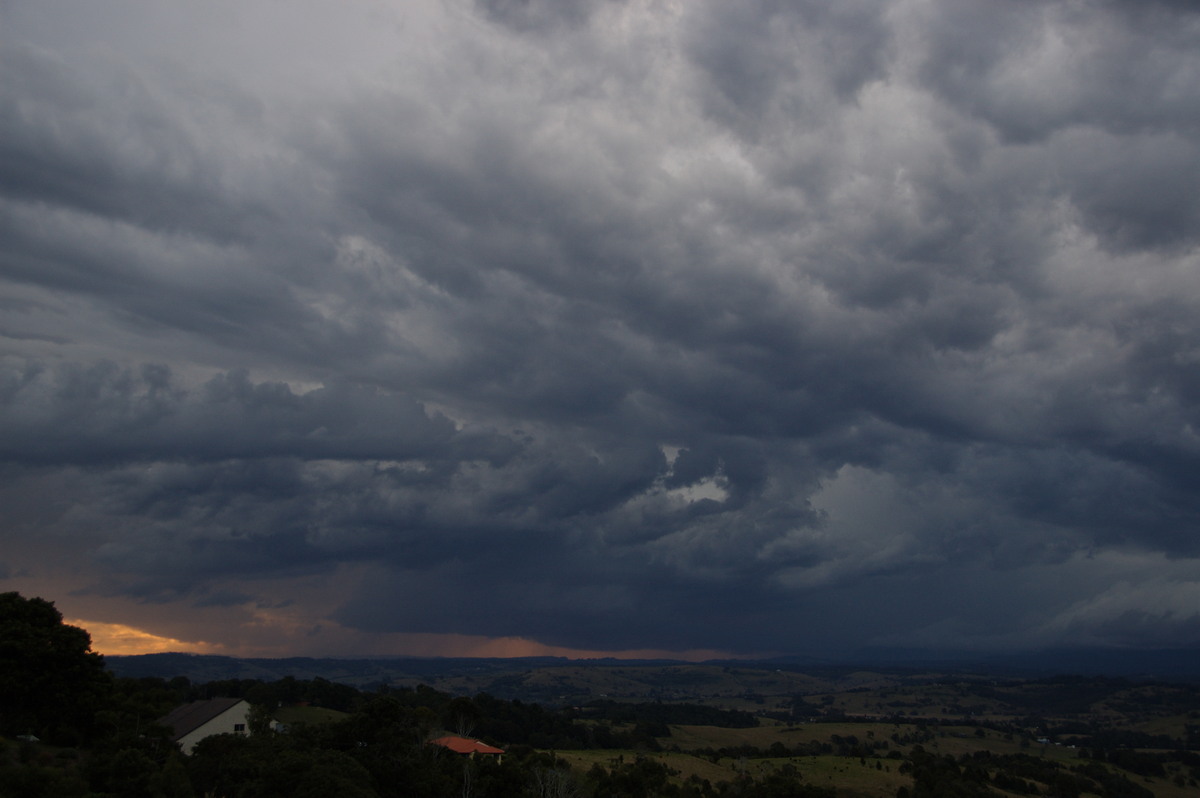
(512, 647)
(118, 639)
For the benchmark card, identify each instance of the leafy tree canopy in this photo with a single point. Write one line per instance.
(51, 682)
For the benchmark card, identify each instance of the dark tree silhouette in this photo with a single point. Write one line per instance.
(51, 682)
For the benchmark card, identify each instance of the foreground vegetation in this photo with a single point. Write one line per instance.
(70, 728)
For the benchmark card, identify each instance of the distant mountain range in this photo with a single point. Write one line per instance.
(1168, 664)
(559, 680)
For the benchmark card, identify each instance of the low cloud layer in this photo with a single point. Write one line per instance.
(606, 325)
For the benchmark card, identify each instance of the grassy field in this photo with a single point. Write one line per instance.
(852, 777)
(294, 716)
(869, 777)
(875, 776)
(686, 764)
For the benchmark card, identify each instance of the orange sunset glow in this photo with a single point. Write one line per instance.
(120, 640)
(117, 639)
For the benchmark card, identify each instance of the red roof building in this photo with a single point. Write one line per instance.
(467, 746)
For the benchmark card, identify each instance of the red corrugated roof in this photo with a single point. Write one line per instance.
(463, 745)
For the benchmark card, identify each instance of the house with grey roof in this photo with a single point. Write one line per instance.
(191, 723)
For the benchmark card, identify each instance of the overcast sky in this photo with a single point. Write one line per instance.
(518, 326)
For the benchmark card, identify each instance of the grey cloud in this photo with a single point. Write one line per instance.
(224, 598)
(755, 53)
(626, 613)
(537, 15)
(105, 413)
(1134, 193)
(1034, 74)
(616, 324)
(145, 158)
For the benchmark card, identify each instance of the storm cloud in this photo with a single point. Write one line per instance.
(755, 327)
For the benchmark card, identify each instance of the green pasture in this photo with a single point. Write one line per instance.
(877, 778)
(300, 715)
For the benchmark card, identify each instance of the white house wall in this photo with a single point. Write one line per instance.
(225, 723)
